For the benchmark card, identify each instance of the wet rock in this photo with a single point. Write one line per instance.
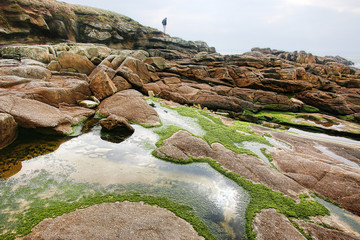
(76, 115)
(325, 175)
(269, 225)
(80, 64)
(136, 219)
(131, 105)
(8, 130)
(182, 145)
(102, 86)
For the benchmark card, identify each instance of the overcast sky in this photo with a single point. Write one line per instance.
(322, 27)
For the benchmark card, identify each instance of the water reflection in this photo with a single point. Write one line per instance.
(102, 166)
(28, 145)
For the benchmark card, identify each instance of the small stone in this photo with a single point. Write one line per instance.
(88, 104)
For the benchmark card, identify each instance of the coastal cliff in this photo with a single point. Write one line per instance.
(44, 21)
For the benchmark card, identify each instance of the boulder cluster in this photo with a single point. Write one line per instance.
(55, 86)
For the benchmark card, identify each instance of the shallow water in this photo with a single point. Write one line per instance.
(87, 165)
(351, 220)
(324, 136)
(256, 147)
(329, 153)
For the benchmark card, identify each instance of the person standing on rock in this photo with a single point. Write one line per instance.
(164, 22)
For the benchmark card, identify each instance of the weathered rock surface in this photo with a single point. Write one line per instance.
(269, 225)
(102, 86)
(38, 21)
(136, 221)
(310, 167)
(8, 130)
(131, 105)
(114, 122)
(318, 232)
(30, 113)
(182, 145)
(74, 62)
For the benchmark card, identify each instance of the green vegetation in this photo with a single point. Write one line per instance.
(54, 209)
(310, 109)
(217, 132)
(70, 196)
(261, 197)
(267, 135)
(165, 133)
(269, 157)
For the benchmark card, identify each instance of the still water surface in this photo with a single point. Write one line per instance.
(102, 166)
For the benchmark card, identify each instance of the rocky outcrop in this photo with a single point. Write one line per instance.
(299, 57)
(39, 98)
(136, 219)
(34, 114)
(182, 145)
(8, 130)
(47, 21)
(306, 164)
(131, 105)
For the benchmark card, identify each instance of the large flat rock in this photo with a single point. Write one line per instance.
(124, 220)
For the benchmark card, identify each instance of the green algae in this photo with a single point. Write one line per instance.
(69, 196)
(217, 132)
(261, 197)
